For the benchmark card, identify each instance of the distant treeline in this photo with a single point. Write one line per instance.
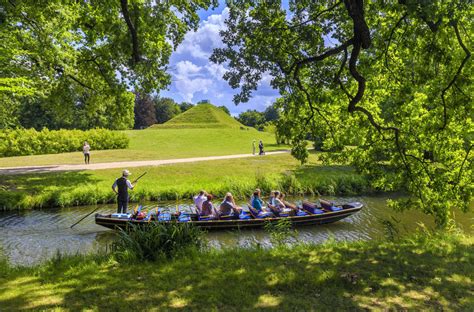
(21, 142)
(259, 120)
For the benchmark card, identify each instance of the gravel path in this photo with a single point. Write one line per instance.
(122, 164)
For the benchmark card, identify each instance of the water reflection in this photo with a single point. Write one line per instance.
(28, 237)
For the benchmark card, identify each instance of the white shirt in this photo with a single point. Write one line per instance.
(86, 149)
(198, 200)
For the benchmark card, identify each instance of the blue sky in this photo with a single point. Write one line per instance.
(195, 78)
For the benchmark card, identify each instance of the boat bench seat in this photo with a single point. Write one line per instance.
(311, 208)
(259, 214)
(329, 206)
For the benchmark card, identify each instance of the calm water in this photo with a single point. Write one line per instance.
(28, 237)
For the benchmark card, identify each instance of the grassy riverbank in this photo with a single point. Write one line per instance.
(239, 176)
(424, 272)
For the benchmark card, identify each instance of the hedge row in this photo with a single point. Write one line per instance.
(21, 142)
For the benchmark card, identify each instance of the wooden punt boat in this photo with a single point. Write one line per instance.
(322, 216)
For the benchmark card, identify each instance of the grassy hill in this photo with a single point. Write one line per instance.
(201, 116)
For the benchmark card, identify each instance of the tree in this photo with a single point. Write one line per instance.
(251, 118)
(165, 109)
(97, 50)
(271, 113)
(145, 114)
(184, 106)
(392, 77)
(225, 109)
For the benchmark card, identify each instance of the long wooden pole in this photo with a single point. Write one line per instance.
(90, 213)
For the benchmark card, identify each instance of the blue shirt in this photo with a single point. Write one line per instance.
(257, 203)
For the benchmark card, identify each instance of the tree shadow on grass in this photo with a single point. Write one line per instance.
(381, 276)
(15, 188)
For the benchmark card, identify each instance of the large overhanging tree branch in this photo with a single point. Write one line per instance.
(133, 31)
(109, 34)
(398, 101)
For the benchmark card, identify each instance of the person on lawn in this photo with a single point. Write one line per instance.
(260, 147)
(86, 150)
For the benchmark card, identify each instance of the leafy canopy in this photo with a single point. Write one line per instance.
(63, 53)
(390, 78)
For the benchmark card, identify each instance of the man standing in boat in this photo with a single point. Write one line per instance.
(121, 187)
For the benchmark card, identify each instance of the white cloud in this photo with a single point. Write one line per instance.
(186, 69)
(188, 80)
(200, 43)
(196, 78)
(188, 87)
(216, 70)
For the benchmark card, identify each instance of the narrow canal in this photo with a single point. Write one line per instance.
(28, 237)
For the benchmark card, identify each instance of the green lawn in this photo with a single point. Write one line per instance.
(239, 176)
(432, 273)
(162, 144)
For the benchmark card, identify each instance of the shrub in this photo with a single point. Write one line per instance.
(156, 240)
(281, 232)
(22, 142)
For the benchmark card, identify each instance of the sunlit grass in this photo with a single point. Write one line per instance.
(162, 144)
(239, 176)
(286, 278)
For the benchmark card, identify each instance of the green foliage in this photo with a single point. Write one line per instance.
(71, 110)
(184, 106)
(21, 142)
(165, 109)
(144, 111)
(271, 113)
(83, 56)
(395, 84)
(252, 118)
(281, 232)
(12, 91)
(155, 241)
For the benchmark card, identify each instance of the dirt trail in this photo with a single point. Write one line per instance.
(122, 164)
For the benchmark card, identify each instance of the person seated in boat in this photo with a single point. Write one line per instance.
(287, 204)
(257, 208)
(253, 196)
(271, 200)
(228, 206)
(257, 202)
(279, 206)
(208, 208)
(199, 199)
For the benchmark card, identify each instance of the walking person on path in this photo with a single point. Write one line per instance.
(260, 147)
(253, 147)
(86, 150)
(121, 187)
